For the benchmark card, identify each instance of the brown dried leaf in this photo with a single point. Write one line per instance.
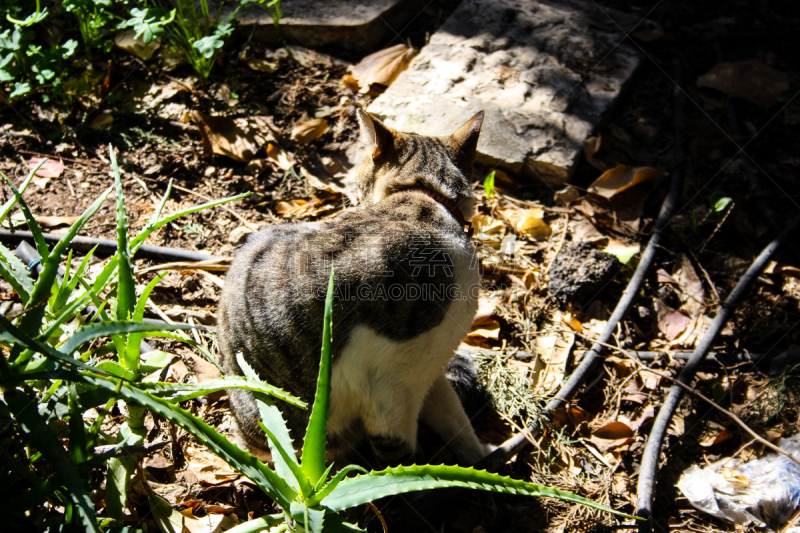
(621, 178)
(285, 160)
(489, 329)
(102, 122)
(486, 309)
(238, 139)
(350, 83)
(127, 41)
(50, 169)
(207, 467)
(614, 430)
(262, 65)
(383, 67)
(488, 228)
(202, 369)
(54, 222)
(751, 80)
(642, 416)
(529, 223)
(690, 285)
(285, 208)
(307, 131)
(671, 322)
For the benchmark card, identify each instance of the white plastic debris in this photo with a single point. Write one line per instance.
(762, 492)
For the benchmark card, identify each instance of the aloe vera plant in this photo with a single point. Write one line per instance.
(315, 494)
(42, 365)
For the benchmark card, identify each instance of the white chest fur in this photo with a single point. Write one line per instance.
(385, 383)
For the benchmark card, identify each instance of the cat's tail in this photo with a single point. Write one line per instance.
(462, 374)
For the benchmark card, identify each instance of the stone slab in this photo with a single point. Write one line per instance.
(545, 72)
(355, 26)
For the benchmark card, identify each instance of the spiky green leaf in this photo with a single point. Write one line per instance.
(272, 418)
(118, 327)
(313, 462)
(41, 245)
(401, 479)
(137, 241)
(258, 472)
(6, 207)
(40, 435)
(126, 284)
(322, 493)
(31, 321)
(179, 392)
(15, 273)
(288, 461)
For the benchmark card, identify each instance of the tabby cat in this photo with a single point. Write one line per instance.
(406, 281)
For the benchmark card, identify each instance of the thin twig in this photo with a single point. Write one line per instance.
(380, 516)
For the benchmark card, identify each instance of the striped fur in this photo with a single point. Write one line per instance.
(389, 347)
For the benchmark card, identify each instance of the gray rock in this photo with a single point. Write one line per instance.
(359, 26)
(545, 73)
(580, 271)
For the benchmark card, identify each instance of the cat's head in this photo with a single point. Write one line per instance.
(398, 161)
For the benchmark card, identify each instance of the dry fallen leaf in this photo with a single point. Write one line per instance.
(529, 223)
(307, 131)
(488, 228)
(533, 226)
(285, 160)
(350, 83)
(690, 286)
(671, 322)
(101, 122)
(486, 309)
(324, 183)
(553, 349)
(621, 178)
(202, 369)
(383, 67)
(54, 222)
(127, 41)
(751, 80)
(207, 467)
(614, 430)
(238, 139)
(262, 65)
(50, 169)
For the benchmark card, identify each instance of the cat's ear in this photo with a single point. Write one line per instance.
(465, 140)
(373, 133)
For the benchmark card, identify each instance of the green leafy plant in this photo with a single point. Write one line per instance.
(25, 64)
(311, 494)
(718, 203)
(273, 7)
(488, 184)
(42, 365)
(193, 30)
(92, 16)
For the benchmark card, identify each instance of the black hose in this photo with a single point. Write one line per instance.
(106, 247)
(652, 451)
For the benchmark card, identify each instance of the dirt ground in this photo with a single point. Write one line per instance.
(735, 149)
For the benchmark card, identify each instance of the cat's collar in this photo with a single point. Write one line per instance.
(450, 205)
